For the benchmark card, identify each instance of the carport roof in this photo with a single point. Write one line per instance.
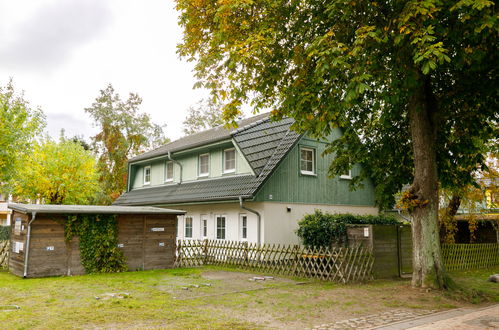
(90, 209)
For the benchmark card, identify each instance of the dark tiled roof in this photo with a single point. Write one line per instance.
(198, 139)
(263, 143)
(258, 143)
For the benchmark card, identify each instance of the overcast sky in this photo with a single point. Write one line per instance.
(62, 52)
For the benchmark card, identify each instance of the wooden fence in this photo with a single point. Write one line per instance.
(470, 256)
(338, 264)
(4, 254)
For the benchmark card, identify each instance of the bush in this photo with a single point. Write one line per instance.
(325, 229)
(4, 233)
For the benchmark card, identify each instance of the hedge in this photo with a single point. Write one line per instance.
(325, 229)
(4, 233)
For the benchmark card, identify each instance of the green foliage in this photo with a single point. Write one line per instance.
(58, 173)
(124, 133)
(357, 65)
(19, 126)
(205, 115)
(325, 229)
(98, 236)
(4, 233)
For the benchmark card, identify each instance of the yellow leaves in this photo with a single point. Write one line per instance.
(410, 202)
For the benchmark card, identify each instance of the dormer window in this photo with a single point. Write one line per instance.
(230, 160)
(204, 165)
(169, 171)
(307, 161)
(147, 175)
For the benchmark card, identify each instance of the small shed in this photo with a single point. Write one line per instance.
(146, 235)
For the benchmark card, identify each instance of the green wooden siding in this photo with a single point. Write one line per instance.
(287, 184)
(189, 161)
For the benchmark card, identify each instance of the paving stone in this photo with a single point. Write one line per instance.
(374, 320)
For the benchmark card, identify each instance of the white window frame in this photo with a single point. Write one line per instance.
(232, 170)
(204, 220)
(241, 224)
(190, 226)
(313, 161)
(199, 165)
(224, 227)
(167, 179)
(347, 176)
(148, 167)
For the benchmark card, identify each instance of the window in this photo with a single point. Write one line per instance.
(204, 165)
(147, 175)
(244, 226)
(188, 227)
(307, 161)
(169, 171)
(347, 175)
(204, 228)
(220, 227)
(229, 161)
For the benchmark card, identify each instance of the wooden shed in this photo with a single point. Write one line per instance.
(146, 235)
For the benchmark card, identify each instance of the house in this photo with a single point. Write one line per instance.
(5, 213)
(253, 183)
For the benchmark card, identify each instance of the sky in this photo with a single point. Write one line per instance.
(61, 53)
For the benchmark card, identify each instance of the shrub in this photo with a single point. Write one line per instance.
(325, 229)
(4, 233)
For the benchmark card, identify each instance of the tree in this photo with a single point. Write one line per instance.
(58, 173)
(19, 127)
(124, 133)
(413, 84)
(205, 115)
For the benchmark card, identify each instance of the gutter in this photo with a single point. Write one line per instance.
(176, 162)
(28, 239)
(259, 218)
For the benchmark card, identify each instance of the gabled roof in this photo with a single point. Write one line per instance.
(262, 142)
(212, 135)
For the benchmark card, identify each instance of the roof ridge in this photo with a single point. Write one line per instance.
(253, 124)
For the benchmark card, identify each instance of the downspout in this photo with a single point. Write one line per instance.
(28, 239)
(258, 216)
(178, 163)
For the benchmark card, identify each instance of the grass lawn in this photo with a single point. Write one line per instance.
(214, 298)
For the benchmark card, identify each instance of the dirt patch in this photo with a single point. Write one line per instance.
(300, 306)
(217, 283)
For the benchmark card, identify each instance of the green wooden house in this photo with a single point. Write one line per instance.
(251, 183)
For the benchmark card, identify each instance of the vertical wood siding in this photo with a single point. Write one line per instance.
(287, 184)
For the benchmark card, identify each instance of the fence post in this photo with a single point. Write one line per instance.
(179, 252)
(246, 251)
(295, 261)
(205, 252)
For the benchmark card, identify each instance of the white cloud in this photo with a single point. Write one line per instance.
(48, 37)
(130, 44)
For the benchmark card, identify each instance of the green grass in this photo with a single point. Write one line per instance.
(157, 299)
(472, 285)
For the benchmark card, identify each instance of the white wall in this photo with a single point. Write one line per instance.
(278, 225)
(232, 212)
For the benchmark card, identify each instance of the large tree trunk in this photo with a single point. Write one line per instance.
(428, 270)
